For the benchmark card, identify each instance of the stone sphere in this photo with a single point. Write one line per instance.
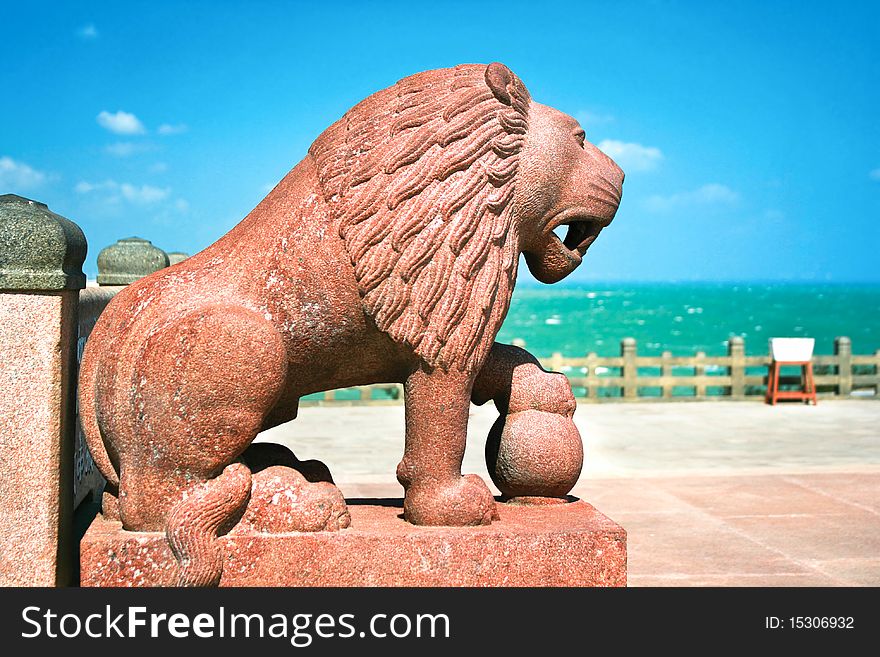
(534, 454)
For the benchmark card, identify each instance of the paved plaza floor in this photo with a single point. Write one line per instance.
(710, 493)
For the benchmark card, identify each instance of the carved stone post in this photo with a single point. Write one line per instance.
(41, 256)
(699, 373)
(129, 260)
(666, 374)
(736, 349)
(177, 256)
(843, 351)
(592, 377)
(877, 372)
(630, 372)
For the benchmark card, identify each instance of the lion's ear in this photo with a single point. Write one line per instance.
(500, 79)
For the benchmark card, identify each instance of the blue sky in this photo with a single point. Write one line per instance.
(748, 130)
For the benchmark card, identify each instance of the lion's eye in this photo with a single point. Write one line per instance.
(581, 136)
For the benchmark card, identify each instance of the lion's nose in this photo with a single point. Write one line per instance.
(610, 171)
(617, 174)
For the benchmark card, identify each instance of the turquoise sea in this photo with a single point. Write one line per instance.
(685, 318)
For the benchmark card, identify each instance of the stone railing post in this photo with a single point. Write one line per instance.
(699, 372)
(736, 349)
(843, 351)
(666, 373)
(877, 372)
(630, 372)
(129, 260)
(41, 256)
(592, 377)
(177, 256)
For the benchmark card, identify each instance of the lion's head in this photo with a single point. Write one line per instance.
(439, 183)
(563, 181)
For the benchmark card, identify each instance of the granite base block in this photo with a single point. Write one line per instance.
(569, 544)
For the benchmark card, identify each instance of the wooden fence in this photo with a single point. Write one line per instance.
(630, 377)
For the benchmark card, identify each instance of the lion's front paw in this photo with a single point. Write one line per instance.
(464, 501)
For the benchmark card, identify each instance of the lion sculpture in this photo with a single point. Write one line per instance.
(388, 254)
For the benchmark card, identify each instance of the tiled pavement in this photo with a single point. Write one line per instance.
(714, 493)
(747, 530)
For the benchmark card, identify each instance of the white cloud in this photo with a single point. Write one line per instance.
(875, 174)
(587, 118)
(87, 32)
(181, 205)
(159, 167)
(169, 129)
(122, 123)
(127, 148)
(114, 192)
(713, 194)
(144, 193)
(18, 176)
(631, 156)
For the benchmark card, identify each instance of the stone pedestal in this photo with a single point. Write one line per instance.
(570, 544)
(41, 255)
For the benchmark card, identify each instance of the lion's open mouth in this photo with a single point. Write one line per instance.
(579, 234)
(551, 256)
(581, 231)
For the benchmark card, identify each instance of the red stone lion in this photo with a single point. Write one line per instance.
(389, 254)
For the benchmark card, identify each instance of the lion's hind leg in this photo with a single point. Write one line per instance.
(201, 389)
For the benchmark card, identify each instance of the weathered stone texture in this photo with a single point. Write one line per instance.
(41, 256)
(39, 250)
(562, 545)
(388, 254)
(36, 436)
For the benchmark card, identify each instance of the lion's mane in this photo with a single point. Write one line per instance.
(421, 176)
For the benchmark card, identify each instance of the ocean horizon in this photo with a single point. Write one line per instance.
(685, 317)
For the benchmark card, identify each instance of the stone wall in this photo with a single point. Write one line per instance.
(86, 478)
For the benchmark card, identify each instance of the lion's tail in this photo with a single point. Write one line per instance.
(88, 417)
(193, 525)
